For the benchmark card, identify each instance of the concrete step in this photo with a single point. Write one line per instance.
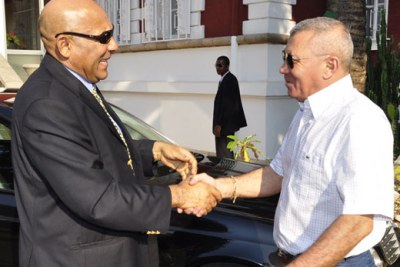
(8, 77)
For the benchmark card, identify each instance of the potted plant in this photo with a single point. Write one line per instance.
(13, 41)
(243, 147)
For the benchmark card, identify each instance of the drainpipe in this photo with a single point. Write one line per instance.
(3, 31)
(233, 59)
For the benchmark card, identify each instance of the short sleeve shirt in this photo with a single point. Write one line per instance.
(336, 159)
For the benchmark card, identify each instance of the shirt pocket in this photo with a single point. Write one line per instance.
(309, 179)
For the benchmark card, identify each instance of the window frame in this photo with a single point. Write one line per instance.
(174, 23)
(119, 12)
(373, 19)
(40, 50)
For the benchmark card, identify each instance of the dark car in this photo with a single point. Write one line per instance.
(231, 235)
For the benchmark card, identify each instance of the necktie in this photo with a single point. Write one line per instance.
(121, 135)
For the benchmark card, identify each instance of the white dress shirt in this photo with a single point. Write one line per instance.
(341, 162)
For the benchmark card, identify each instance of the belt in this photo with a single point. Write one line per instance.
(286, 257)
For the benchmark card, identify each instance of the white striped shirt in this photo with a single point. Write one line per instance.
(341, 163)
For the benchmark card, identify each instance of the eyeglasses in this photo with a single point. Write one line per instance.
(218, 65)
(102, 38)
(289, 59)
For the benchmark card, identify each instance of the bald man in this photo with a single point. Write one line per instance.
(79, 178)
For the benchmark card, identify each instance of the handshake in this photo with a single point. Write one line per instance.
(197, 195)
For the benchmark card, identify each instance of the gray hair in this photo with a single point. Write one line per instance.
(330, 37)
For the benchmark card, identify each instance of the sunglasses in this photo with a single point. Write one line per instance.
(102, 38)
(218, 65)
(288, 58)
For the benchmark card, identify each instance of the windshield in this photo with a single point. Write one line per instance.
(137, 128)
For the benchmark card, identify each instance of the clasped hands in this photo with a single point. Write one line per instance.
(191, 196)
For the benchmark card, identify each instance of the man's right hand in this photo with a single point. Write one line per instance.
(217, 130)
(198, 199)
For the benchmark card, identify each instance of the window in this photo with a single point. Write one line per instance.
(148, 20)
(119, 12)
(373, 18)
(164, 20)
(5, 133)
(6, 174)
(21, 24)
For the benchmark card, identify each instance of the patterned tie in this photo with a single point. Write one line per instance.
(121, 135)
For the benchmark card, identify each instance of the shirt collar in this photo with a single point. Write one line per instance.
(86, 83)
(222, 77)
(332, 96)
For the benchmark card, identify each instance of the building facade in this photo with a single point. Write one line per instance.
(165, 74)
(164, 70)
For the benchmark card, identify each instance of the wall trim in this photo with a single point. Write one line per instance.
(270, 38)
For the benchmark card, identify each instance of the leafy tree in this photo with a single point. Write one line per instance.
(383, 79)
(353, 14)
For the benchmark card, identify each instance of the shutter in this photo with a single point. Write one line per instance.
(125, 21)
(149, 19)
(183, 17)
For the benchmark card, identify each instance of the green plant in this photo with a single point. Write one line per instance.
(13, 40)
(383, 79)
(242, 147)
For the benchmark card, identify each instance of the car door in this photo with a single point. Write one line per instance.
(9, 224)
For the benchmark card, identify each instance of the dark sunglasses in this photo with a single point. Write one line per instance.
(102, 38)
(218, 65)
(288, 58)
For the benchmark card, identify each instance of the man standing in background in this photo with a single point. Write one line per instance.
(228, 114)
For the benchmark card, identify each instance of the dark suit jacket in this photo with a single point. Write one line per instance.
(79, 204)
(228, 109)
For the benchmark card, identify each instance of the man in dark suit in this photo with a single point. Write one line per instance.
(228, 114)
(79, 178)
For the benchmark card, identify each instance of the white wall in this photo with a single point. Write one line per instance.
(3, 32)
(173, 90)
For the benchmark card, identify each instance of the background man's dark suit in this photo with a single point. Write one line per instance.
(228, 112)
(66, 144)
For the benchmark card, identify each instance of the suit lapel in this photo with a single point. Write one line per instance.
(71, 83)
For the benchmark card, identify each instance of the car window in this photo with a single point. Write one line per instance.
(138, 129)
(5, 132)
(6, 173)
